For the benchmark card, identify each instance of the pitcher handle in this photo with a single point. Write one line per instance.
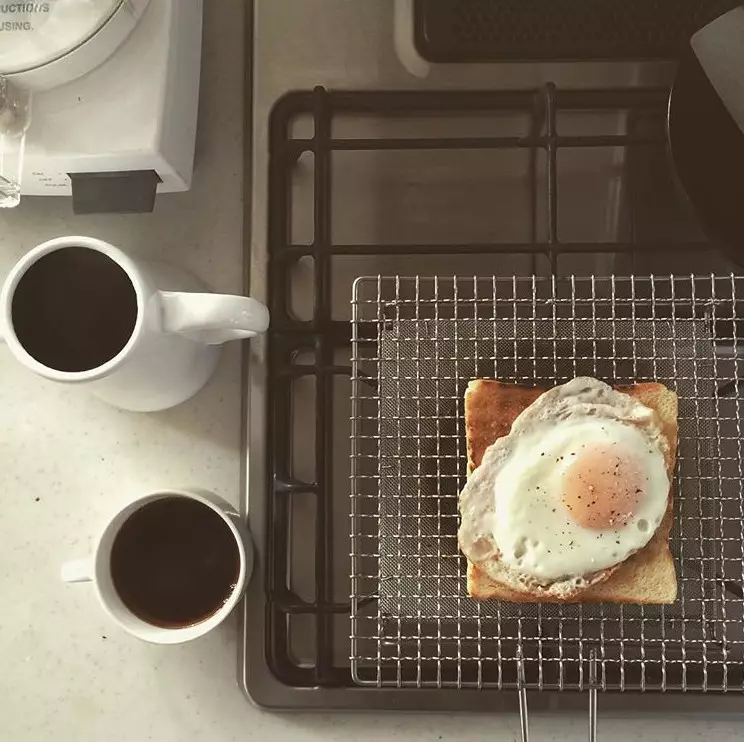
(212, 318)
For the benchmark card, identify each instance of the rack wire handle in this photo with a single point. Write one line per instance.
(593, 696)
(522, 691)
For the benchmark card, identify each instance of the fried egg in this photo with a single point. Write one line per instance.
(578, 486)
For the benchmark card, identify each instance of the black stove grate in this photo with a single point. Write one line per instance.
(499, 30)
(309, 347)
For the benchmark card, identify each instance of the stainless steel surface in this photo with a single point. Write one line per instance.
(417, 343)
(365, 45)
(719, 47)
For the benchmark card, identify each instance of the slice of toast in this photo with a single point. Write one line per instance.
(649, 576)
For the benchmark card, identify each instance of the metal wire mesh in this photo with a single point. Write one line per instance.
(416, 344)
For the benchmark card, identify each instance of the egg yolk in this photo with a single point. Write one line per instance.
(602, 487)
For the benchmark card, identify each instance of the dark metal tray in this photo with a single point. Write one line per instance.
(535, 211)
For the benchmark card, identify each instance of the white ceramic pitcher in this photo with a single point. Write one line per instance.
(174, 345)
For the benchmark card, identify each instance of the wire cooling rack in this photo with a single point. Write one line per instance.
(416, 343)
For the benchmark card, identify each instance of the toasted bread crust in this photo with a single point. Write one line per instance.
(647, 577)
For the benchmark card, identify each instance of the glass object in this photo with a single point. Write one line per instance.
(15, 117)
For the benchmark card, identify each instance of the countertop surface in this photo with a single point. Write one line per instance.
(67, 461)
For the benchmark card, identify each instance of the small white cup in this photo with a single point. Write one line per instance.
(97, 569)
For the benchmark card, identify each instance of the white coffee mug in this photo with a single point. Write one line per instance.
(176, 327)
(97, 569)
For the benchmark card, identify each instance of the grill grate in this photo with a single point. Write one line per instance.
(416, 344)
(570, 146)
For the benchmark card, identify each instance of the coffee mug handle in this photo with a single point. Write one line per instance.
(212, 318)
(78, 570)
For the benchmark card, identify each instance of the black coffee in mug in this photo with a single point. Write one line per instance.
(74, 309)
(174, 562)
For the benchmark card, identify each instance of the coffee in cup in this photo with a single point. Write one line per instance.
(174, 562)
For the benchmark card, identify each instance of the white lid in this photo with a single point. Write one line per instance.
(36, 33)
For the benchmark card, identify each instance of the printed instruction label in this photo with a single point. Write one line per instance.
(20, 16)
